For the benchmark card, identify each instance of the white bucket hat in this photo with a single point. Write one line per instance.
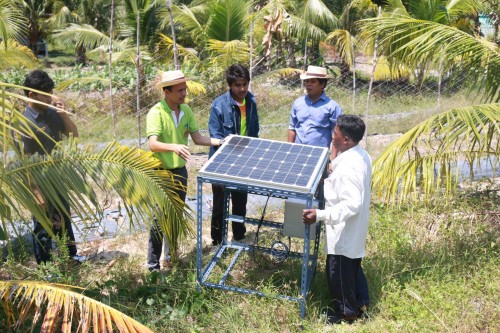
(171, 78)
(315, 72)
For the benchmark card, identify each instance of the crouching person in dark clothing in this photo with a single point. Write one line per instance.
(49, 126)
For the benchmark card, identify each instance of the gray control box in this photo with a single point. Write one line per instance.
(293, 225)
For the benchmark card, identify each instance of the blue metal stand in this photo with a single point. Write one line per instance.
(309, 259)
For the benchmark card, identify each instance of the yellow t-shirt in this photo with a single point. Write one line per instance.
(243, 111)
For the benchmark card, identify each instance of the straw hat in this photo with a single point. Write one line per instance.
(171, 78)
(315, 72)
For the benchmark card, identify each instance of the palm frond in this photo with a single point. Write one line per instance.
(12, 22)
(70, 172)
(385, 71)
(62, 15)
(396, 7)
(428, 155)
(84, 34)
(228, 53)
(228, 20)
(429, 41)
(345, 43)
(129, 54)
(317, 13)
(302, 29)
(196, 88)
(165, 49)
(61, 309)
(14, 55)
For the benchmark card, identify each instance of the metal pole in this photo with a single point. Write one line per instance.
(113, 116)
(440, 77)
(305, 63)
(172, 26)
(251, 53)
(138, 73)
(374, 64)
(353, 80)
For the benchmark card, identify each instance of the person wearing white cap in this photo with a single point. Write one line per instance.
(168, 125)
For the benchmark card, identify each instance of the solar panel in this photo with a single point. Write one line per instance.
(275, 164)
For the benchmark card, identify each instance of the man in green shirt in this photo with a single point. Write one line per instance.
(168, 125)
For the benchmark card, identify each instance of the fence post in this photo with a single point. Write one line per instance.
(111, 105)
(138, 73)
(374, 65)
(172, 27)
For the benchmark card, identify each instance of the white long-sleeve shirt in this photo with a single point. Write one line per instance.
(347, 203)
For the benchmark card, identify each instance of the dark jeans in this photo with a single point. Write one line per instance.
(239, 202)
(42, 241)
(155, 243)
(347, 285)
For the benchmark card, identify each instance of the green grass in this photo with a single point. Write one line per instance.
(429, 269)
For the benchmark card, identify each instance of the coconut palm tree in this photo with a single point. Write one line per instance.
(344, 38)
(309, 22)
(428, 155)
(12, 25)
(12, 29)
(211, 35)
(454, 13)
(64, 13)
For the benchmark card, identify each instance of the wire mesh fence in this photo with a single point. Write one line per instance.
(394, 105)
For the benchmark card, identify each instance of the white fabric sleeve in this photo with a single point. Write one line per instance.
(350, 199)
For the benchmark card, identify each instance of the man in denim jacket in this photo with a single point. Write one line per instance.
(234, 112)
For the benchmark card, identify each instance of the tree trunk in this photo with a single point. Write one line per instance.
(291, 55)
(81, 57)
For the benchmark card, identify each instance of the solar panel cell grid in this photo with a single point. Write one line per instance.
(255, 161)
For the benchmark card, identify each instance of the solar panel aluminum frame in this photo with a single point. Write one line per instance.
(310, 187)
(305, 193)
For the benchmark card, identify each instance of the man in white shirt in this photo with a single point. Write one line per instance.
(346, 215)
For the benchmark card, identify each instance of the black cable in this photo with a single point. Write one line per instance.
(279, 250)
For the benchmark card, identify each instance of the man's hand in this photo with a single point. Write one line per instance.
(60, 105)
(182, 151)
(58, 102)
(57, 221)
(309, 216)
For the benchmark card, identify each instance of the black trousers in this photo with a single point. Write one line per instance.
(155, 243)
(347, 285)
(239, 204)
(42, 241)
